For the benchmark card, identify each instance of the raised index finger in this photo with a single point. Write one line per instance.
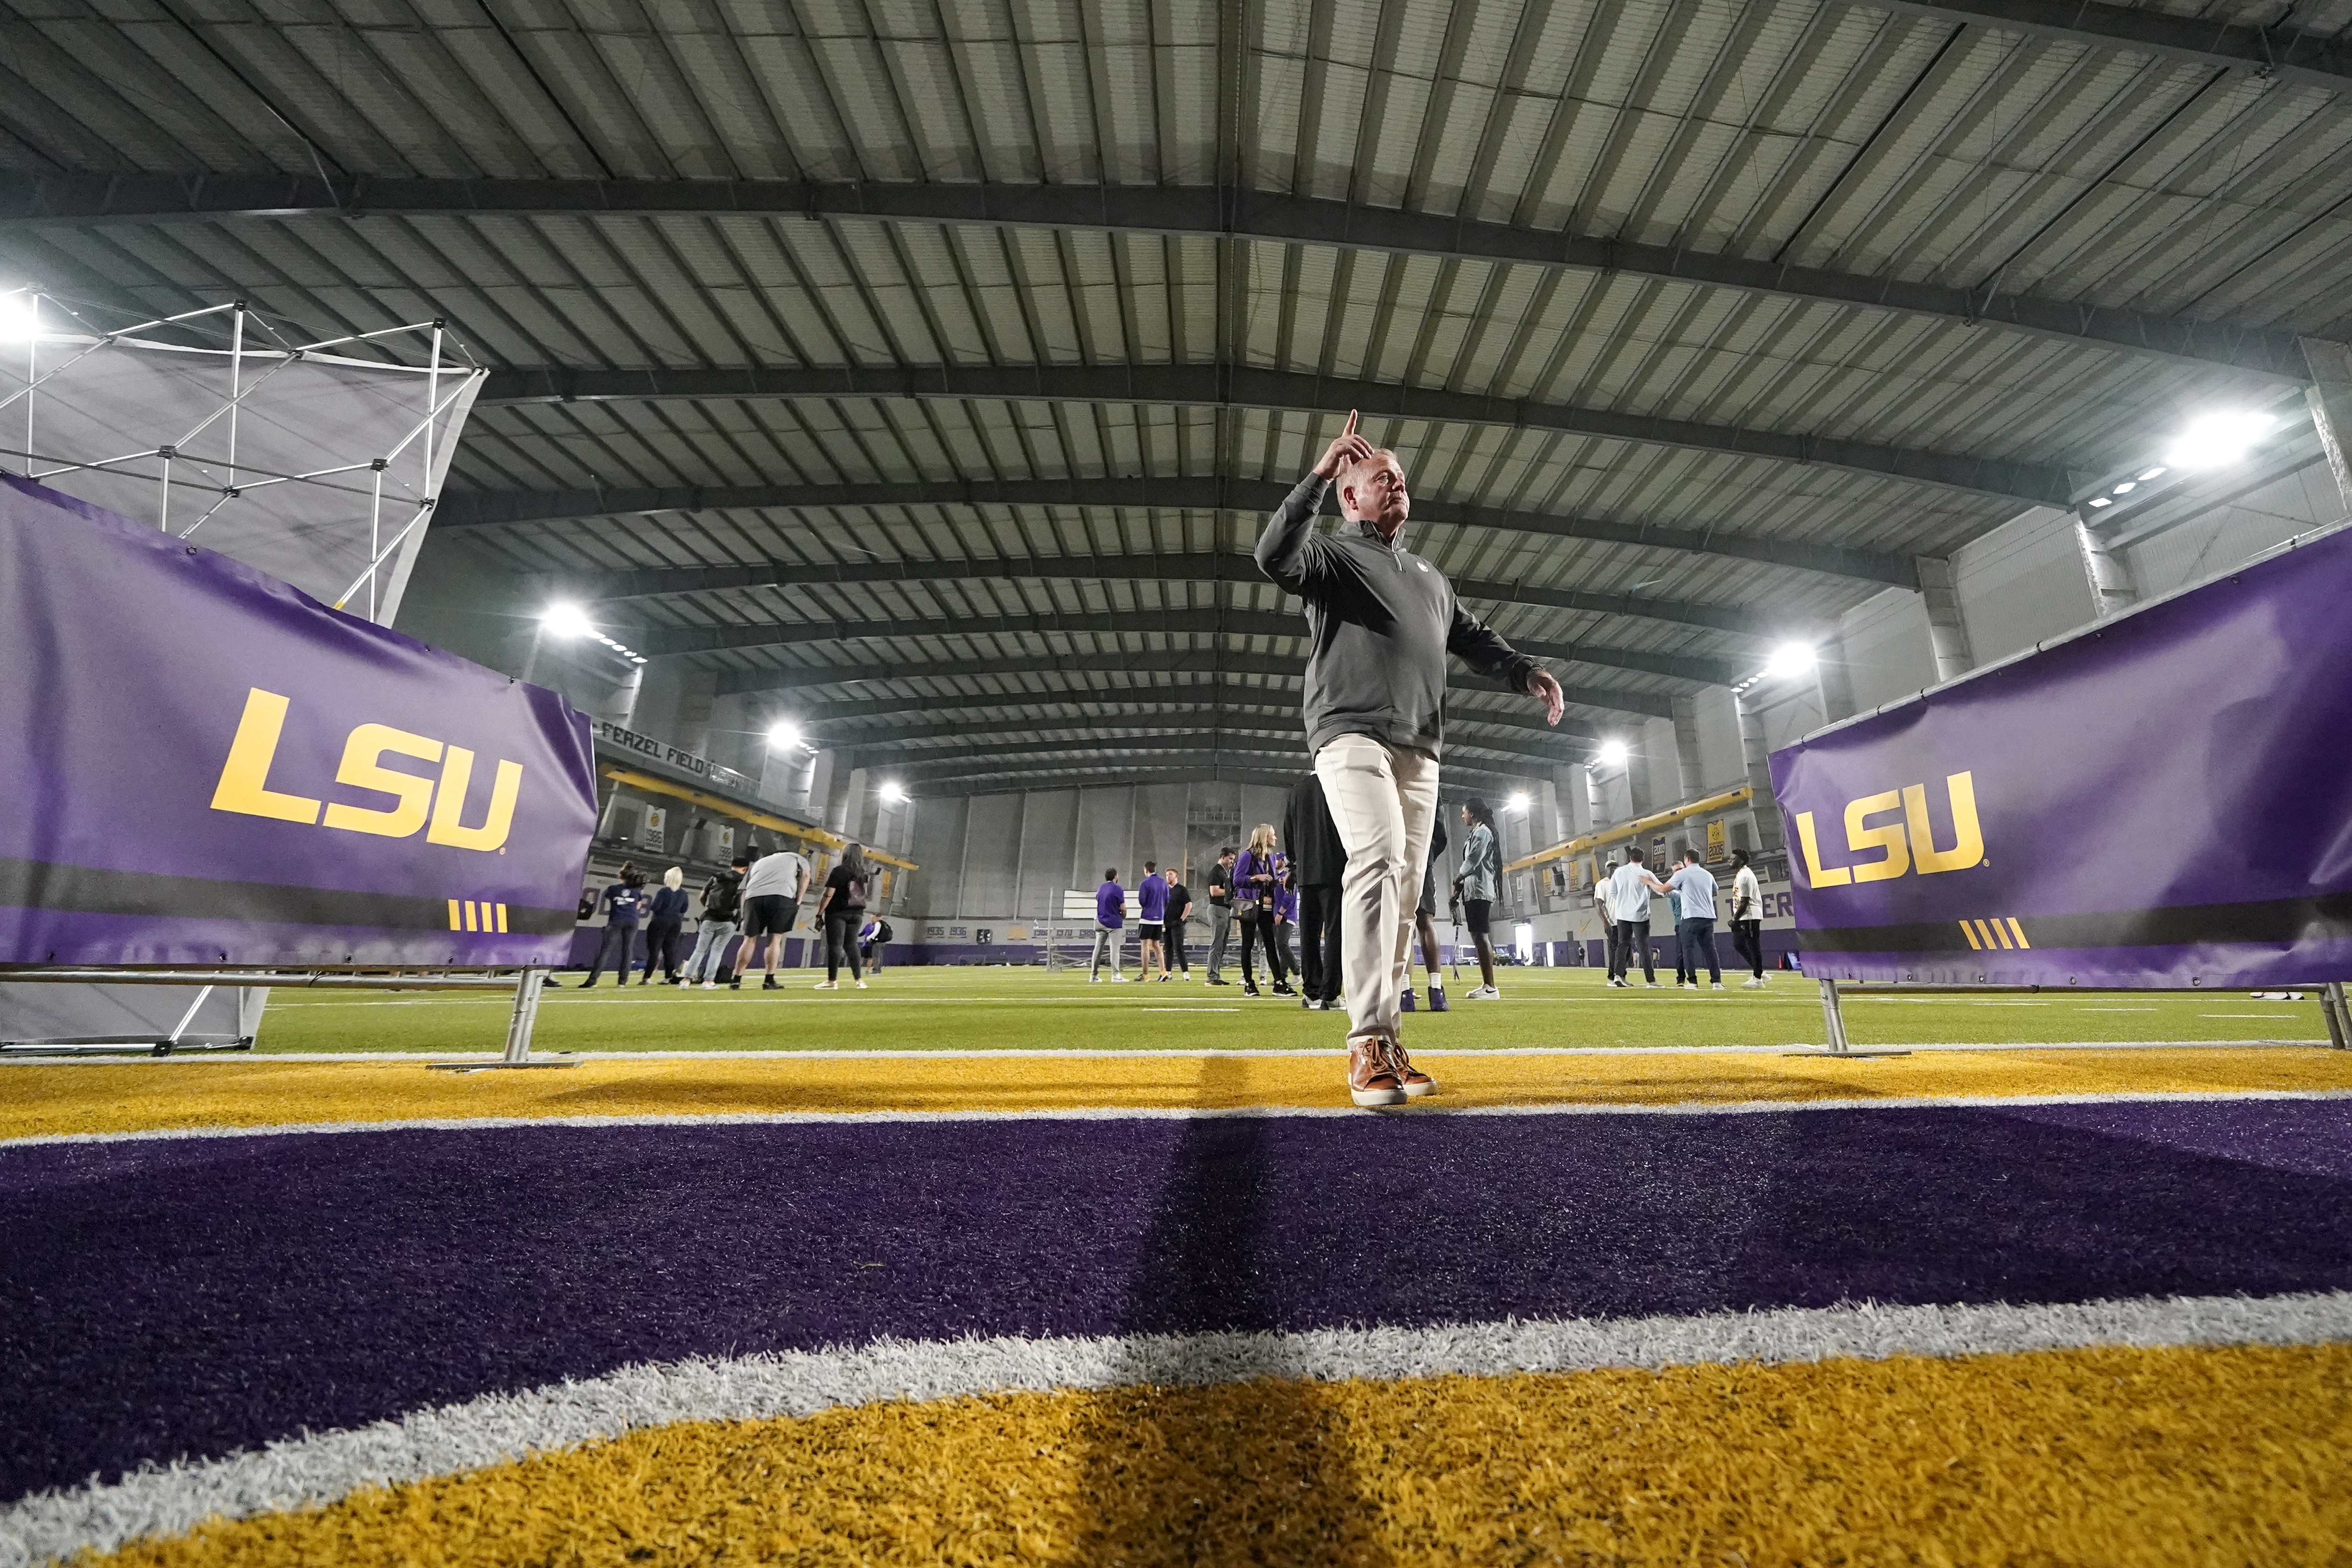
(1351, 423)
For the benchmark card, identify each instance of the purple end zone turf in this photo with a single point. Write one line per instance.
(192, 1298)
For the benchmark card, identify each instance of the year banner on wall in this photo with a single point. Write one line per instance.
(2165, 800)
(212, 767)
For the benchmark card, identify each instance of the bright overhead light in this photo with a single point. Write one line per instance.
(1518, 801)
(1614, 753)
(2152, 473)
(2126, 488)
(2103, 500)
(784, 736)
(568, 620)
(893, 791)
(2217, 440)
(20, 316)
(1789, 658)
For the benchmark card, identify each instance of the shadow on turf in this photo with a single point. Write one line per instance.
(1167, 1477)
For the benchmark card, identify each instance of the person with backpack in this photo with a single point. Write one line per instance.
(841, 910)
(872, 938)
(624, 904)
(723, 901)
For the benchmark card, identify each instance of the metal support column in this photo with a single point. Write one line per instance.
(1690, 768)
(2330, 398)
(2110, 585)
(1948, 633)
(2332, 1007)
(519, 1025)
(1769, 838)
(1833, 1021)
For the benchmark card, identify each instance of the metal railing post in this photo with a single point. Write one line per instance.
(1833, 1017)
(2339, 1018)
(525, 1016)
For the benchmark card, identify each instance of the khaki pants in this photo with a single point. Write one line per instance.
(1384, 800)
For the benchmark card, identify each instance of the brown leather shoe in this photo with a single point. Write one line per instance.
(1371, 1080)
(1412, 1079)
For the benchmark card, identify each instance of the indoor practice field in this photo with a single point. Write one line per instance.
(990, 1009)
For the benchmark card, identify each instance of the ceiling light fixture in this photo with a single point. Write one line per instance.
(2218, 440)
(1791, 659)
(893, 791)
(568, 620)
(1518, 801)
(1614, 753)
(782, 736)
(20, 316)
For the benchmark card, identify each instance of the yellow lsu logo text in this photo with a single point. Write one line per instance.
(437, 805)
(1909, 845)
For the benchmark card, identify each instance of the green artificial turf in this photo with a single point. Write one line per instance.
(922, 1009)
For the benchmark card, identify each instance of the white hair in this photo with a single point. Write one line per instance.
(1347, 476)
(673, 877)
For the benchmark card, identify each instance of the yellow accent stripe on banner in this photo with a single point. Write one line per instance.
(1970, 932)
(128, 1097)
(454, 917)
(502, 920)
(2000, 936)
(469, 914)
(2206, 1456)
(2019, 931)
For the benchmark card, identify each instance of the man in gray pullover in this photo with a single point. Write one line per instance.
(1380, 621)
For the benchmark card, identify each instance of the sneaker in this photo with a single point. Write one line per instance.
(1307, 1003)
(1751, 985)
(1119, 980)
(826, 985)
(1437, 999)
(1651, 985)
(1485, 993)
(1412, 1079)
(1685, 985)
(1284, 988)
(710, 985)
(1405, 1001)
(591, 986)
(1212, 980)
(1249, 990)
(770, 984)
(1718, 985)
(735, 983)
(1371, 1080)
(1094, 979)
(1615, 983)
(1166, 978)
(861, 985)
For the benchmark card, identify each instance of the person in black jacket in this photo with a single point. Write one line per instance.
(722, 908)
(624, 904)
(1221, 912)
(1318, 861)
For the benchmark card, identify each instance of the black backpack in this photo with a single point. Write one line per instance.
(724, 899)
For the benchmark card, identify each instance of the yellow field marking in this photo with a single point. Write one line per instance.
(2128, 1458)
(84, 1097)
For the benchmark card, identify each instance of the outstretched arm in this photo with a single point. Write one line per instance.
(1484, 649)
(1284, 550)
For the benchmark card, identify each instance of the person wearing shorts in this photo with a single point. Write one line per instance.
(1151, 923)
(771, 903)
(1476, 883)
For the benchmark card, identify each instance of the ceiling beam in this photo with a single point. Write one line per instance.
(1210, 660)
(479, 508)
(1223, 720)
(1020, 781)
(1290, 749)
(1215, 385)
(1226, 694)
(83, 201)
(1181, 749)
(2274, 53)
(1196, 566)
(665, 640)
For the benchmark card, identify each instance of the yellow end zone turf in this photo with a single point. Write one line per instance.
(119, 1097)
(2104, 1456)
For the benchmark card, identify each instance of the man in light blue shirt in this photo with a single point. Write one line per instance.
(1694, 930)
(1629, 887)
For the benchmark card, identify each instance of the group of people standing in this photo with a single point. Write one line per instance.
(1623, 897)
(1270, 892)
(757, 897)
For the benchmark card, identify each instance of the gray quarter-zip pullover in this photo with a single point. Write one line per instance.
(1380, 621)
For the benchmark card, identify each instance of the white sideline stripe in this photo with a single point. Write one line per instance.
(1169, 1114)
(786, 1052)
(311, 1472)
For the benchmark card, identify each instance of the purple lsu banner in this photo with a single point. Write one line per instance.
(211, 767)
(2163, 800)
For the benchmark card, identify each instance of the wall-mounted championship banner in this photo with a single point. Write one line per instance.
(2162, 800)
(208, 767)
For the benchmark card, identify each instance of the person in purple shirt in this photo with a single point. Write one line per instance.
(1258, 875)
(1110, 919)
(1151, 923)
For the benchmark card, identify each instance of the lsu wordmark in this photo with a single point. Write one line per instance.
(435, 804)
(1903, 846)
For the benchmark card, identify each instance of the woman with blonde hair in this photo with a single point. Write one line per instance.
(1258, 878)
(840, 912)
(664, 919)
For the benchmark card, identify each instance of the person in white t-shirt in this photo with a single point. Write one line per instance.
(771, 903)
(1629, 887)
(1694, 930)
(1747, 920)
